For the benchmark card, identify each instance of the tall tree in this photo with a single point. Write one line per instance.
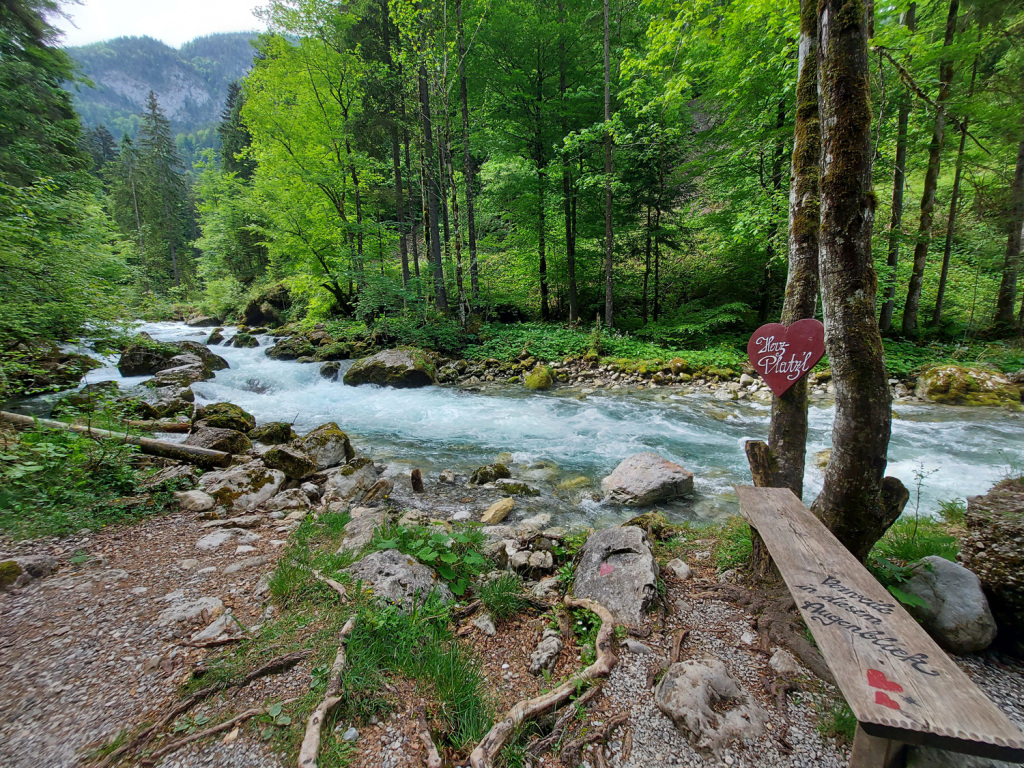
(467, 158)
(899, 180)
(234, 135)
(850, 503)
(609, 235)
(430, 181)
(1011, 260)
(931, 178)
(568, 189)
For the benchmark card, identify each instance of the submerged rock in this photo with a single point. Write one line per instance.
(953, 385)
(399, 578)
(400, 368)
(956, 612)
(617, 569)
(646, 478)
(328, 446)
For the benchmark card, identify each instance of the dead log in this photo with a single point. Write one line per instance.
(201, 457)
(485, 752)
(310, 748)
(180, 427)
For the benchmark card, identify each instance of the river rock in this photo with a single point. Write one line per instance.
(87, 398)
(269, 307)
(540, 378)
(227, 440)
(243, 487)
(187, 370)
(497, 512)
(399, 578)
(400, 368)
(708, 705)
(202, 321)
(349, 482)
(330, 371)
(646, 478)
(332, 352)
(328, 446)
(291, 349)
(273, 433)
(954, 385)
(210, 359)
(171, 401)
(956, 612)
(993, 548)
(224, 416)
(145, 359)
(195, 501)
(244, 341)
(489, 473)
(288, 501)
(618, 570)
(216, 336)
(293, 462)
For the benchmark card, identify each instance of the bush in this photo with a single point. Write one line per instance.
(503, 597)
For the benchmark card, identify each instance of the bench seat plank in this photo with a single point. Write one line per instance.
(899, 683)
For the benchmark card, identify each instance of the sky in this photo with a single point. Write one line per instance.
(174, 22)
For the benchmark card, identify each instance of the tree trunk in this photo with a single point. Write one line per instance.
(657, 269)
(567, 185)
(788, 432)
(898, 184)
(954, 200)
(609, 238)
(1011, 261)
(467, 159)
(647, 268)
(430, 180)
(773, 229)
(931, 180)
(850, 503)
(463, 304)
(396, 158)
(763, 470)
(545, 306)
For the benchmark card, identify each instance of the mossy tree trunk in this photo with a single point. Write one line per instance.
(788, 434)
(567, 183)
(467, 159)
(931, 181)
(430, 173)
(609, 236)
(1011, 261)
(899, 179)
(850, 503)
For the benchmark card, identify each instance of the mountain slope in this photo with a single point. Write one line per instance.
(190, 83)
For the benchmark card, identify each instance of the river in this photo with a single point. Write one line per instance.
(558, 435)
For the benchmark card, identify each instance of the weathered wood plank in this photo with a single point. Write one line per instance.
(898, 682)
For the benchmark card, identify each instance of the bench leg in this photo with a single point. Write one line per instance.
(873, 752)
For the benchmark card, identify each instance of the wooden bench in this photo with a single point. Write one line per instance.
(901, 686)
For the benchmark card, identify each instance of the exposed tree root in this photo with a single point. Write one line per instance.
(176, 745)
(776, 623)
(573, 752)
(141, 739)
(310, 748)
(496, 738)
(433, 757)
(779, 690)
(336, 586)
(467, 610)
(677, 645)
(539, 746)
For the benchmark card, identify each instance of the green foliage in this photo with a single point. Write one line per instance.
(503, 597)
(835, 719)
(455, 556)
(733, 545)
(585, 626)
(54, 483)
(908, 540)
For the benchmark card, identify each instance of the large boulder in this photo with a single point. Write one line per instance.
(293, 462)
(243, 487)
(244, 341)
(291, 349)
(399, 578)
(646, 478)
(145, 358)
(210, 359)
(202, 321)
(349, 482)
(618, 570)
(540, 378)
(183, 371)
(171, 401)
(400, 368)
(269, 307)
(328, 446)
(224, 416)
(227, 440)
(993, 548)
(954, 385)
(708, 705)
(273, 433)
(955, 611)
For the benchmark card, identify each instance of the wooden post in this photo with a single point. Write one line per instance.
(763, 467)
(873, 752)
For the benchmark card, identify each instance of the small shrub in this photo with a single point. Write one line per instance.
(503, 597)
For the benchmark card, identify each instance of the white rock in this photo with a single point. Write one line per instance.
(646, 478)
(195, 501)
(485, 624)
(784, 663)
(679, 569)
(187, 611)
(212, 541)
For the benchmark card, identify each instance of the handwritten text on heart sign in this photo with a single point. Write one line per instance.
(772, 358)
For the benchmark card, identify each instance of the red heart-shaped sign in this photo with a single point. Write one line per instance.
(885, 701)
(877, 679)
(784, 355)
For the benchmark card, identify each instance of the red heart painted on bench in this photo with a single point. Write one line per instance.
(885, 701)
(784, 355)
(877, 679)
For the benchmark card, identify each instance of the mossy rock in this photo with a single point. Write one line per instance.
(216, 337)
(217, 439)
(332, 352)
(10, 571)
(291, 349)
(330, 371)
(489, 473)
(244, 341)
(328, 446)
(145, 357)
(295, 464)
(273, 433)
(655, 524)
(978, 387)
(354, 465)
(540, 378)
(720, 373)
(225, 416)
(210, 359)
(133, 407)
(401, 368)
(514, 488)
(573, 483)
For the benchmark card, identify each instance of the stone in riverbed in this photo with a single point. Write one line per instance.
(244, 341)
(399, 368)
(399, 578)
(617, 569)
(291, 349)
(328, 446)
(293, 462)
(497, 512)
(243, 487)
(145, 359)
(273, 433)
(489, 473)
(210, 359)
(187, 369)
(202, 321)
(956, 612)
(330, 371)
(349, 482)
(224, 416)
(227, 440)
(540, 378)
(954, 385)
(646, 478)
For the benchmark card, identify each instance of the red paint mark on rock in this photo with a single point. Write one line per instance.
(877, 679)
(606, 568)
(784, 355)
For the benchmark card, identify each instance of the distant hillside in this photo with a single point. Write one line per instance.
(190, 83)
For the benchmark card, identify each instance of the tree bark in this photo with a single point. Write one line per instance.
(467, 159)
(764, 470)
(773, 230)
(899, 178)
(567, 185)
(788, 432)
(1011, 261)
(609, 235)
(396, 159)
(931, 180)
(954, 202)
(850, 503)
(647, 268)
(430, 180)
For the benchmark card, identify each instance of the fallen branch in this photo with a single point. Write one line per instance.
(275, 665)
(310, 748)
(178, 427)
(540, 746)
(573, 750)
(335, 585)
(467, 610)
(176, 745)
(497, 737)
(677, 645)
